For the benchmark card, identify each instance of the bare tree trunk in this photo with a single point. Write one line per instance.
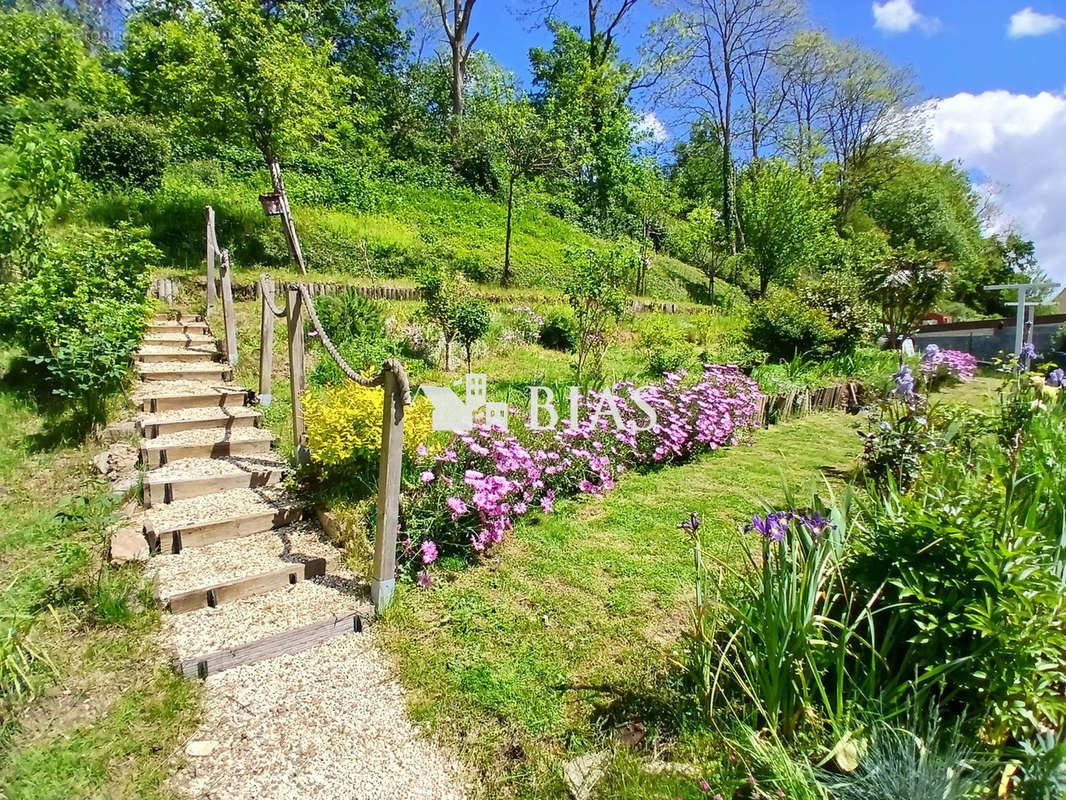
(506, 276)
(287, 225)
(457, 78)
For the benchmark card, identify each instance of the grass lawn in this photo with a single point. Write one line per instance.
(110, 713)
(564, 635)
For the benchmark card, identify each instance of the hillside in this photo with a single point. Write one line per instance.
(378, 230)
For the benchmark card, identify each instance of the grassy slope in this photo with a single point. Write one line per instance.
(112, 715)
(410, 225)
(567, 630)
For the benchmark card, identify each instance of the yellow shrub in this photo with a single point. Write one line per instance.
(344, 423)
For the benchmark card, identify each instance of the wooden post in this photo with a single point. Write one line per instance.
(229, 316)
(266, 341)
(212, 248)
(288, 228)
(297, 375)
(384, 581)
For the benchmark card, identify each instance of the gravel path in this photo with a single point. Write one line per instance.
(207, 413)
(219, 506)
(156, 338)
(209, 436)
(181, 388)
(233, 559)
(215, 467)
(327, 723)
(150, 367)
(251, 618)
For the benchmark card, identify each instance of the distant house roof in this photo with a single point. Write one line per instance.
(1060, 301)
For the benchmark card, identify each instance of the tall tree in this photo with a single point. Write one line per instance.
(525, 146)
(456, 26)
(725, 52)
(806, 64)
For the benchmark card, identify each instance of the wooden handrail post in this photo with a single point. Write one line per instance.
(212, 248)
(384, 581)
(229, 316)
(297, 375)
(266, 341)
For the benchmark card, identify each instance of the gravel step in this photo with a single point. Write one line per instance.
(231, 514)
(157, 396)
(192, 477)
(187, 419)
(149, 353)
(198, 633)
(225, 571)
(179, 370)
(174, 326)
(178, 338)
(177, 316)
(205, 443)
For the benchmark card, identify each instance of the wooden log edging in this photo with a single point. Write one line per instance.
(227, 592)
(292, 641)
(784, 406)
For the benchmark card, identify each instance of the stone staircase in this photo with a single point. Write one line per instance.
(244, 576)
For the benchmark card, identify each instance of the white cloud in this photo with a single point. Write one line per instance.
(652, 127)
(899, 16)
(1018, 143)
(1028, 22)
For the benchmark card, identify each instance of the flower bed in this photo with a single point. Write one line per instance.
(470, 494)
(955, 364)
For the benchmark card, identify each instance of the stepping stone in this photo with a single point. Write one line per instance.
(188, 419)
(193, 477)
(158, 396)
(226, 571)
(260, 626)
(232, 514)
(178, 370)
(205, 443)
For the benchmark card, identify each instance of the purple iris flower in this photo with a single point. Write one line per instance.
(773, 526)
(1028, 352)
(1055, 377)
(931, 352)
(904, 383)
(817, 524)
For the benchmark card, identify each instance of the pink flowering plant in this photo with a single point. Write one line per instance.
(469, 494)
(939, 365)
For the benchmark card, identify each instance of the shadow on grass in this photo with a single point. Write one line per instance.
(61, 423)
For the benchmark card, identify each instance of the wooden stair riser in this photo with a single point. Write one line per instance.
(174, 541)
(153, 457)
(155, 429)
(185, 356)
(178, 316)
(191, 327)
(293, 641)
(218, 374)
(157, 493)
(155, 405)
(212, 596)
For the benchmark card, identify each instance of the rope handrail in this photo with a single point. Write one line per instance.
(263, 277)
(393, 365)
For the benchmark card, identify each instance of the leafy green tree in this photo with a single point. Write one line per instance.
(524, 147)
(442, 296)
(696, 173)
(653, 205)
(588, 104)
(35, 181)
(906, 287)
(784, 220)
(700, 240)
(472, 320)
(596, 293)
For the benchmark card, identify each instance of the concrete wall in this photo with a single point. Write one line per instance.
(985, 343)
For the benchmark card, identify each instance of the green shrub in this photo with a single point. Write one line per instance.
(82, 314)
(839, 294)
(348, 316)
(665, 348)
(472, 321)
(123, 151)
(559, 331)
(784, 326)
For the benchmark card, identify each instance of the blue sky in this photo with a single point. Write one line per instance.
(997, 68)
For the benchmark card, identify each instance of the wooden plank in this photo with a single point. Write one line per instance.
(178, 401)
(297, 373)
(159, 492)
(220, 374)
(390, 464)
(178, 327)
(266, 342)
(188, 356)
(176, 540)
(227, 592)
(153, 456)
(176, 426)
(293, 641)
